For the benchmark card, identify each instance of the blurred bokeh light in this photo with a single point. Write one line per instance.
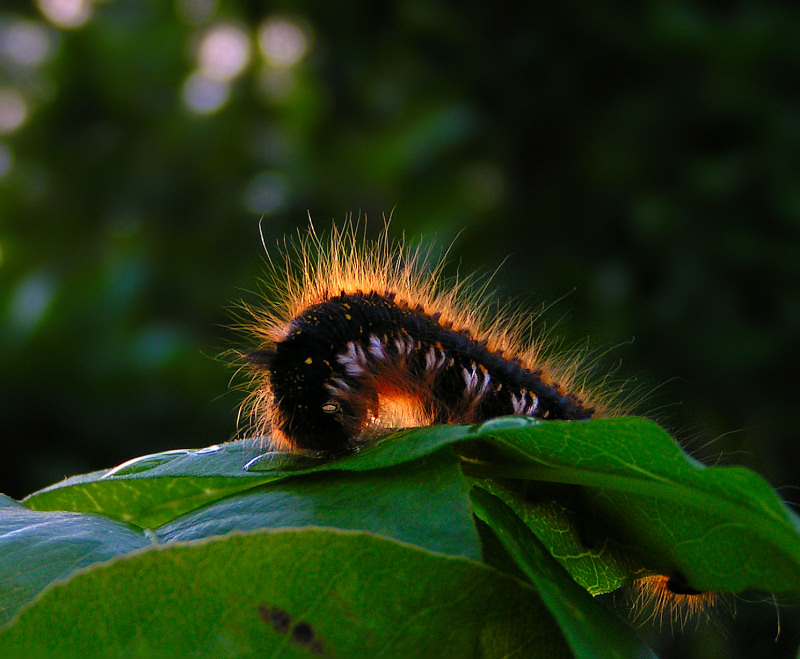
(283, 43)
(13, 110)
(24, 43)
(66, 13)
(224, 52)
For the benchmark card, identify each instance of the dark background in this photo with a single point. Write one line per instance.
(639, 166)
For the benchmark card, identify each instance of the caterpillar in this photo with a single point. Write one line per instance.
(362, 337)
(356, 337)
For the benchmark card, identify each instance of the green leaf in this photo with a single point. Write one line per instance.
(154, 489)
(397, 447)
(424, 503)
(287, 593)
(591, 630)
(39, 548)
(194, 494)
(722, 528)
(556, 516)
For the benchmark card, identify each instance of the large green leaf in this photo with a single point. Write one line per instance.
(155, 489)
(426, 504)
(722, 528)
(287, 593)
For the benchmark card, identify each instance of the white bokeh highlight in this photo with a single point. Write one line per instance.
(66, 13)
(203, 95)
(13, 110)
(224, 52)
(282, 42)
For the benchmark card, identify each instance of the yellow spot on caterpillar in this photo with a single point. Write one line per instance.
(348, 316)
(309, 361)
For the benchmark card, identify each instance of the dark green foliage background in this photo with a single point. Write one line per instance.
(644, 163)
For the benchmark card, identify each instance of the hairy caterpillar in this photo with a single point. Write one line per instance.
(358, 337)
(362, 338)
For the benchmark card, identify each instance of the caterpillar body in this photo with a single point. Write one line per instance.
(363, 338)
(358, 337)
(364, 359)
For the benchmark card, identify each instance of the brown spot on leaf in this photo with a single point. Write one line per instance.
(303, 633)
(281, 621)
(278, 618)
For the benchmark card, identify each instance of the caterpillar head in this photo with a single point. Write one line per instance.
(303, 412)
